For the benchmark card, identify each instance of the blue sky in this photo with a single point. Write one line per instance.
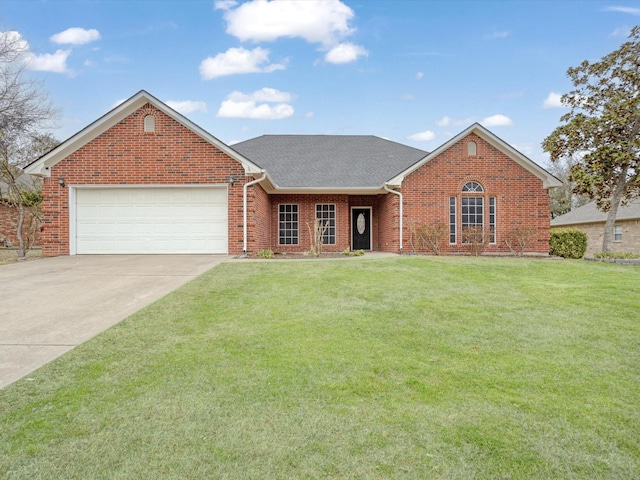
(416, 72)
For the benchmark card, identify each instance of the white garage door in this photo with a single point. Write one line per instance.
(151, 220)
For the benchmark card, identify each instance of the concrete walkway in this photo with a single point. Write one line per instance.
(49, 306)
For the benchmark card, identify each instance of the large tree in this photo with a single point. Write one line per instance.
(603, 130)
(25, 112)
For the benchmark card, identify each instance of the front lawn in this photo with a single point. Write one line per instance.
(412, 367)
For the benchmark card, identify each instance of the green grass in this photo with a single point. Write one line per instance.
(444, 368)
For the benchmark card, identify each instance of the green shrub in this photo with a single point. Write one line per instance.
(266, 253)
(617, 255)
(567, 242)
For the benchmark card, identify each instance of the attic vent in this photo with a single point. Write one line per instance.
(149, 123)
(471, 149)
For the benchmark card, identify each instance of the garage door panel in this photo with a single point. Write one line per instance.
(151, 220)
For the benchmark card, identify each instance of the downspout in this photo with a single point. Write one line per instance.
(400, 195)
(244, 209)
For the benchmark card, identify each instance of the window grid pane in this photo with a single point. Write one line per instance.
(472, 212)
(492, 219)
(472, 187)
(326, 213)
(288, 224)
(452, 219)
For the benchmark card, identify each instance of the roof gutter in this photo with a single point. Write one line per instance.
(244, 208)
(399, 195)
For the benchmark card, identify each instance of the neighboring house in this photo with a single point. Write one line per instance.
(9, 217)
(626, 230)
(144, 179)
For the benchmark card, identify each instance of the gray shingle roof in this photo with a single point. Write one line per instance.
(329, 161)
(589, 213)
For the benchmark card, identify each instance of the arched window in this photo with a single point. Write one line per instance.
(149, 124)
(471, 149)
(472, 187)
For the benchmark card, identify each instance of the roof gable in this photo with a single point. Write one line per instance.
(43, 165)
(302, 162)
(548, 180)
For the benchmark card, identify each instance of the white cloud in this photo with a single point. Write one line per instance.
(419, 75)
(316, 21)
(345, 53)
(187, 106)
(496, 121)
(448, 121)
(247, 105)
(407, 96)
(231, 109)
(265, 94)
(308, 115)
(494, 35)
(224, 4)
(425, 136)
(76, 36)
(444, 121)
(629, 10)
(49, 62)
(238, 60)
(553, 100)
(13, 38)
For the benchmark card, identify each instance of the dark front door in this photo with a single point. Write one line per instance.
(361, 229)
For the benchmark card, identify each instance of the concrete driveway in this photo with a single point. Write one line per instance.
(49, 306)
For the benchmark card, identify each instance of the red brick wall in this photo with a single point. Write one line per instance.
(258, 219)
(126, 155)
(8, 226)
(306, 216)
(521, 201)
(389, 229)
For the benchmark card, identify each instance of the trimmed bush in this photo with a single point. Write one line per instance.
(567, 242)
(617, 255)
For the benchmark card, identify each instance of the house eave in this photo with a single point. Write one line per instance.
(271, 188)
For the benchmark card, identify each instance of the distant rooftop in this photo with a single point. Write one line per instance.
(589, 213)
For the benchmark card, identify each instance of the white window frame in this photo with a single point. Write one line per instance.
(492, 220)
(453, 204)
(617, 233)
(290, 233)
(330, 236)
(475, 214)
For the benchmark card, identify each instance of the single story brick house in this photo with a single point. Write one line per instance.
(626, 230)
(145, 179)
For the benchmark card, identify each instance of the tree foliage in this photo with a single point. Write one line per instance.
(25, 112)
(603, 130)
